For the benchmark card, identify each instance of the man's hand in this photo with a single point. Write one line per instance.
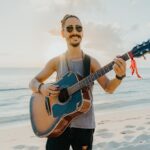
(119, 67)
(50, 89)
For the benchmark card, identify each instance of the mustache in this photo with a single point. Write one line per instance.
(74, 35)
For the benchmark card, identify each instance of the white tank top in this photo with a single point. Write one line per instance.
(86, 120)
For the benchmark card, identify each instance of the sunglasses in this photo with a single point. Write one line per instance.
(70, 28)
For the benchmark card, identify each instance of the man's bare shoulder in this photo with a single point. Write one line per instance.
(54, 61)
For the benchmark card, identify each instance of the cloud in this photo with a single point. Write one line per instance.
(54, 32)
(103, 37)
(5, 54)
(148, 25)
(133, 2)
(134, 27)
(40, 6)
(59, 7)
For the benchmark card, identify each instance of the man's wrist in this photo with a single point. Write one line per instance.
(120, 77)
(39, 87)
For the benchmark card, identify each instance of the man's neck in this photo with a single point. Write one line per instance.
(74, 52)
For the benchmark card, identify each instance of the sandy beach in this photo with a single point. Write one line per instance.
(125, 130)
(116, 130)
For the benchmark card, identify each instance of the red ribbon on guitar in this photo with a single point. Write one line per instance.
(133, 66)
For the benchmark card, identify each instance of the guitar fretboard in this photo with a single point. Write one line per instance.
(92, 77)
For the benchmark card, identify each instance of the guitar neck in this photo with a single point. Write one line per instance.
(92, 77)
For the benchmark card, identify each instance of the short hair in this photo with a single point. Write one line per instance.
(67, 17)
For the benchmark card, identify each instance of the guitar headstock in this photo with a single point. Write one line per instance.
(141, 49)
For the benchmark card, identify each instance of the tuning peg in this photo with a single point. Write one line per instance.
(143, 44)
(137, 46)
(144, 57)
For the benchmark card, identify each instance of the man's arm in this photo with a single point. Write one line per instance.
(48, 70)
(107, 84)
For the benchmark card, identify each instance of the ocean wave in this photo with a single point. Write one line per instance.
(11, 119)
(13, 89)
(121, 104)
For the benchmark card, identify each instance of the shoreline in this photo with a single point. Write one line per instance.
(118, 130)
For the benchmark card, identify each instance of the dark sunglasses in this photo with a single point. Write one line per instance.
(70, 28)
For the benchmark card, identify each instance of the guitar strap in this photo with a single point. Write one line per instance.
(86, 65)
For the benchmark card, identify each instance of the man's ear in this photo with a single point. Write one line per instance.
(62, 33)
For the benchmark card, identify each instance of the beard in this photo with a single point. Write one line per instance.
(75, 44)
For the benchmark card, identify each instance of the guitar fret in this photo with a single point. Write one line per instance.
(96, 75)
(125, 56)
(92, 77)
(79, 84)
(88, 79)
(107, 68)
(85, 82)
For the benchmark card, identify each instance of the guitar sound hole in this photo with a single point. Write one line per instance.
(63, 96)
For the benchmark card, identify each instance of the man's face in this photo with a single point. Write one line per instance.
(72, 31)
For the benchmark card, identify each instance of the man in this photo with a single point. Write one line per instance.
(80, 132)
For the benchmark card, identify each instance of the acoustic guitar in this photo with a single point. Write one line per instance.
(50, 115)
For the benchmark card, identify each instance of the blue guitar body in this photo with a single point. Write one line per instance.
(50, 115)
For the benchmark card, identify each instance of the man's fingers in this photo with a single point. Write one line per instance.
(53, 87)
(53, 92)
(120, 62)
(120, 70)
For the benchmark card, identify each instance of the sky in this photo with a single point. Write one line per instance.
(30, 29)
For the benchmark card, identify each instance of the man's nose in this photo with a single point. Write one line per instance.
(74, 31)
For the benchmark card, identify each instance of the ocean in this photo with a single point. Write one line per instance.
(15, 94)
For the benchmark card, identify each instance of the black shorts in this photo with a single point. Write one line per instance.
(79, 139)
